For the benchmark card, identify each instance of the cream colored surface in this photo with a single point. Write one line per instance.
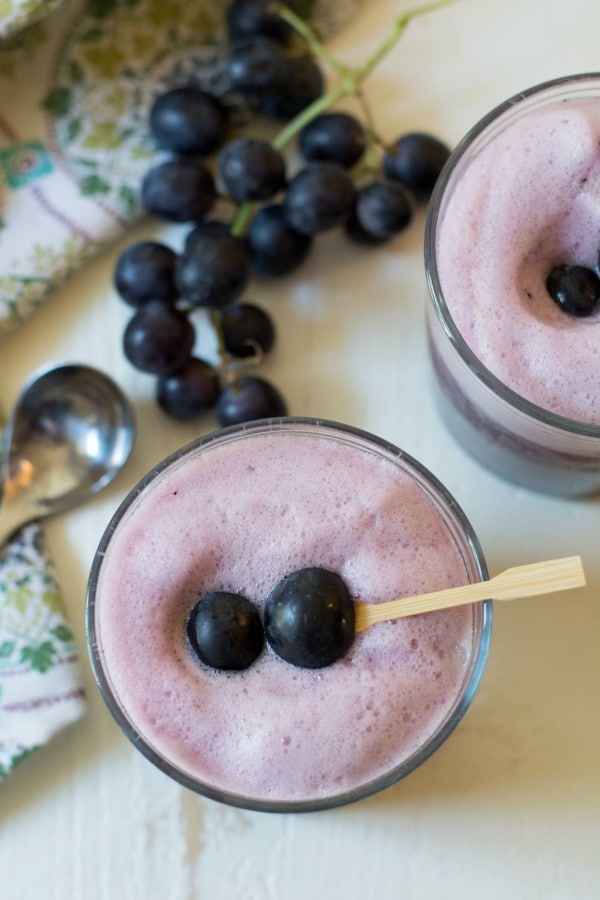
(510, 806)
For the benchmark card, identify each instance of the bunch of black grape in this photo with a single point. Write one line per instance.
(273, 215)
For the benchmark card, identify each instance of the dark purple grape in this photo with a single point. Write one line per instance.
(251, 169)
(275, 248)
(575, 289)
(179, 190)
(334, 137)
(416, 160)
(309, 618)
(249, 18)
(208, 226)
(146, 271)
(225, 631)
(214, 268)
(300, 84)
(246, 328)
(318, 198)
(188, 120)
(382, 210)
(249, 398)
(190, 390)
(254, 66)
(158, 338)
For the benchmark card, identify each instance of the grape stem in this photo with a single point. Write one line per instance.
(349, 80)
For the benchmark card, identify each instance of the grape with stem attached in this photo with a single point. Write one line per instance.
(212, 271)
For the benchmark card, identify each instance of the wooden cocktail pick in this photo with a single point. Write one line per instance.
(519, 581)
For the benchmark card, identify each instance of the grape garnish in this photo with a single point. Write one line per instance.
(225, 631)
(309, 618)
(268, 210)
(575, 289)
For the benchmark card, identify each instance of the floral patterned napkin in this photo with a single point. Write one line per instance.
(41, 687)
(17, 14)
(75, 89)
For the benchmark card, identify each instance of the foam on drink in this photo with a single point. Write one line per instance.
(239, 516)
(529, 200)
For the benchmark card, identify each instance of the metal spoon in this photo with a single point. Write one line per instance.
(71, 431)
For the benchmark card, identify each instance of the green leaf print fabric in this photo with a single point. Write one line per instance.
(75, 89)
(41, 687)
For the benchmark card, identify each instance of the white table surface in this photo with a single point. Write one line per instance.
(510, 806)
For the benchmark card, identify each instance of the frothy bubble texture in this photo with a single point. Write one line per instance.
(238, 518)
(528, 201)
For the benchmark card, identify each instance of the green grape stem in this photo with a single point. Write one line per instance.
(349, 80)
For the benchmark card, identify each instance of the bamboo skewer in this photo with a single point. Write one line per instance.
(519, 581)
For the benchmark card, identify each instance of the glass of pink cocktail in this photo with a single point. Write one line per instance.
(518, 377)
(237, 511)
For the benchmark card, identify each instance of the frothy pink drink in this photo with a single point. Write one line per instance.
(237, 514)
(529, 201)
(519, 377)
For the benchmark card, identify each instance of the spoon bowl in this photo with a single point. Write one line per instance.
(70, 433)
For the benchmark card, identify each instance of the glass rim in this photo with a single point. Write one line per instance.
(482, 618)
(486, 377)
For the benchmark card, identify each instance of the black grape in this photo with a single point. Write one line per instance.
(178, 190)
(188, 120)
(249, 18)
(275, 248)
(416, 160)
(244, 327)
(382, 210)
(251, 169)
(158, 338)
(249, 398)
(575, 289)
(146, 271)
(309, 618)
(225, 630)
(299, 84)
(254, 66)
(214, 268)
(318, 198)
(190, 390)
(336, 137)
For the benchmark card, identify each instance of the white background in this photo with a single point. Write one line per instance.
(510, 806)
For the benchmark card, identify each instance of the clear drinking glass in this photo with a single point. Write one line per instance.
(511, 435)
(141, 533)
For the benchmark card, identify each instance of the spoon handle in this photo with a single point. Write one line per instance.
(519, 581)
